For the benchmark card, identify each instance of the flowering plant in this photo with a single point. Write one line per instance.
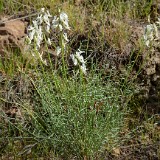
(151, 33)
(79, 60)
(43, 29)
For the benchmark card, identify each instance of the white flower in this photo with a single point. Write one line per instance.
(79, 56)
(49, 15)
(35, 24)
(38, 41)
(41, 29)
(78, 59)
(145, 37)
(83, 68)
(31, 34)
(46, 19)
(79, 51)
(58, 51)
(149, 28)
(38, 37)
(151, 34)
(55, 22)
(75, 62)
(158, 22)
(39, 33)
(47, 28)
(30, 28)
(148, 35)
(49, 41)
(64, 19)
(39, 19)
(60, 27)
(147, 43)
(65, 37)
(40, 57)
(42, 10)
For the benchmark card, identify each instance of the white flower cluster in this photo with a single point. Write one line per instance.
(151, 33)
(61, 21)
(79, 60)
(41, 31)
(35, 31)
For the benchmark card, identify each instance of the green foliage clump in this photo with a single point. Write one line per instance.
(77, 117)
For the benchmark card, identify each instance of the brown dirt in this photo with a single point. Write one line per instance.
(11, 36)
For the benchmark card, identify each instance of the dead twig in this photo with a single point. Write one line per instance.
(139, 145)
(31, 15)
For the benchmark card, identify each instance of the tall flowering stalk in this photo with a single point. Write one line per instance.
(151, 33)
(42, 31)
(37, 33)
(60, 23)
(78, 60)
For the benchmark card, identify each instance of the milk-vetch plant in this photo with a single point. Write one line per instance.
(78, 60)
(37, 33)
(151, 35)
(42, 31)
(60, 23)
